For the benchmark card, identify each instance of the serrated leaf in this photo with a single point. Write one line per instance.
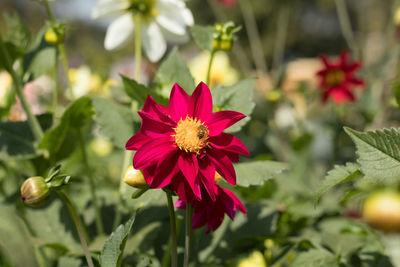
(237, 97)
(257, 172)
(17, 140)
(378, 153)
(315, 258)
(59, 141)
(338, 175)
(203, 36)
(174, 70)
(116, 121)
(111, 255)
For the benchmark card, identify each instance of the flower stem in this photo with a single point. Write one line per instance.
(79, 227)
(345, 25)
(32, 121)
(99, 223)
(128, 154)
(56, 88)
(209, 66)
(253, 34)
(172, 219)
(188, 233)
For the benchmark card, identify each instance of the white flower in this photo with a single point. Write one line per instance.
(161, 21)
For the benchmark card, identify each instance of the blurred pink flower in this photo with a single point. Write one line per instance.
(227, 3)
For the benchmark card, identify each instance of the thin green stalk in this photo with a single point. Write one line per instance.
(253, 34)
(188, 234)
(129, 154)
(345, 25)
(32, 121)
(64, 59)
(99, 223)
(56, 88)
(172, 220)
(209, 67)
(49, 11)
(280, 40)
(79, 227)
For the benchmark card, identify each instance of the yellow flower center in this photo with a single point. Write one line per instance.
(145, 8)
(335, 77)
(191, 135)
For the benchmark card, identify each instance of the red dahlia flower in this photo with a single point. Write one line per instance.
(212, 212)
(227, 3)
(183, 145)
(337, 78)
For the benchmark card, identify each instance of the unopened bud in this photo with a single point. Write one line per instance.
(53, 37)
(224, 36)
(217, 177)
(134, 178)
(34, 191)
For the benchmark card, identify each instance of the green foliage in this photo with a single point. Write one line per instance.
(17, 32)
(17, 140)
(174, 70)
(66, 261)
(237, 97)
(203, 36)
(60, 140)
(315, 258)
(338, 175)
(111, 255)
(138, 92)
(257, 172)
(378, 152)
(115, 121)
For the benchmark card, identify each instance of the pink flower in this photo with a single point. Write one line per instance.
(227, 3)
(183, 145)
(337, 79)
(211, 213)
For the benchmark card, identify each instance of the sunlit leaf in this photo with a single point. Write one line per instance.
(257, 172)
(315, 258)
(203, 36)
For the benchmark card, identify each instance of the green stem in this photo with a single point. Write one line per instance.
(129, 154)
(49, 11)
(99, 223)
(56, 88)
(172, 219)
(188, 233)
(64, 59)
(32, 121)
(210, 66)
(280, 40)
(79, 227)
(345, 25)
(253, 34)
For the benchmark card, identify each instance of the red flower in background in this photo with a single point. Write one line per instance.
(183, 145)
(338, 80)
(227, 3)
(211, 212)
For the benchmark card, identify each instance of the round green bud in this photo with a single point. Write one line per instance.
(34, 191)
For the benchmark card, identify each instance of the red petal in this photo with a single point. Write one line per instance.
(223, 165)
(189, 167)
(200, 103)
(157, 111)
(221, 120)
(151, 152)
(165, 170)
(153, 128)
(178, 102)
(229, 143)
(136, 141)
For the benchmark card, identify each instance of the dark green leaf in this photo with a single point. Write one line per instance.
(237, 97)
(59, 141)
(16, 138)
(42, 62)
(203, 36)
(139, 92)
(337, 176)
(116, 121)
(111, 255)
(17, 32)
(257, 172)
(174, 70)
(378, 153)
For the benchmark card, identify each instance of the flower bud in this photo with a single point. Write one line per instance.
(217, 177)
(34, 191)
(53, 37)
(134, 178)
(224, 36)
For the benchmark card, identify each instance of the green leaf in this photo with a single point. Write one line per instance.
(315, 258)
(174, 70)
(116, 121)
(237, 97)
(378, 152)
(338, 175)
(257, 172)
(139, 92)
(111, 255)
(17, 140)
(203, 36)
(17, 32)
(66, 261)
(59, 141)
